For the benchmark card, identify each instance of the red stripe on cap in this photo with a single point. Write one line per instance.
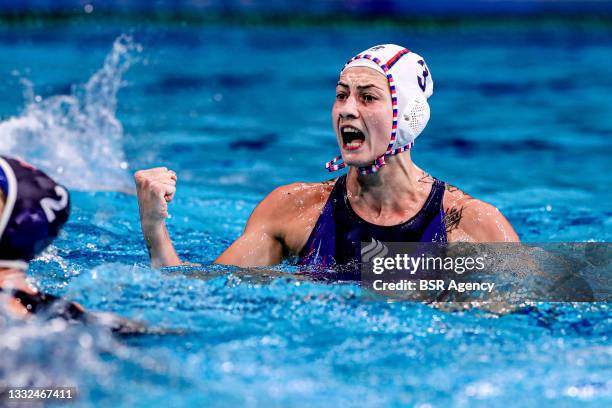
(397, 56)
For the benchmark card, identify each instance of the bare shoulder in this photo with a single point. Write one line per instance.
(291, 211)
(298, 197)
(473, 220)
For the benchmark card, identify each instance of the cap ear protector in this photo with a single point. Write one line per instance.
(34, 211)
(414, 118)
(410, 84)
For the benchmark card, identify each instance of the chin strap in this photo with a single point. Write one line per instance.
(334, 164)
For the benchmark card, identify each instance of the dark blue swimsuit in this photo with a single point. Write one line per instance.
(336, 237)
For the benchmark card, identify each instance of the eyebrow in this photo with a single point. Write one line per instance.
(359, 87)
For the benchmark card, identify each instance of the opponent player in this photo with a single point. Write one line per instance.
(33, 209)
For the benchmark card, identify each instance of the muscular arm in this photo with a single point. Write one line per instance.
(279, 226)
(261, 242)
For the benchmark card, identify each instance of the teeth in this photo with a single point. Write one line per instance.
(350, 129)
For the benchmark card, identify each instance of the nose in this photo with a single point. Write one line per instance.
(349, 109)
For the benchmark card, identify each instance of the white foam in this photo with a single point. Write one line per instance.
(76, 138)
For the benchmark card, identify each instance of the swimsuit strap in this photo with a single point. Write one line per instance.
(431, 208)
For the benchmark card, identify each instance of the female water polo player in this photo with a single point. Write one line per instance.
(33, 209)
(380, 108)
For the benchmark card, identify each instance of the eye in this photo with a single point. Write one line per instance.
(368, 98)
(340, 96)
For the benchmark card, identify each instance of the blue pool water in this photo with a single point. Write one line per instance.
(520, 118)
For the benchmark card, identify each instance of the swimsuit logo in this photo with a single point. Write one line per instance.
(378, 47)
(375, 249)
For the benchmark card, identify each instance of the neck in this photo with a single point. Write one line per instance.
(394, 187)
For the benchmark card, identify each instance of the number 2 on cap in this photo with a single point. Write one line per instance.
(50, 205)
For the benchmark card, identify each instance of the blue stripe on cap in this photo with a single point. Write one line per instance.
(3, 182)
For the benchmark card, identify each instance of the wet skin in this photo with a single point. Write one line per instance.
(363, 102)
(282, 222)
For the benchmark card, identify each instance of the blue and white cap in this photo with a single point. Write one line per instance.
(35, 209)
(410, 84)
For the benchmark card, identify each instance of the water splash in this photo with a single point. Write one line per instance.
(76, 138)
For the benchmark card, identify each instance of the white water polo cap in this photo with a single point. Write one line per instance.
(410, 84)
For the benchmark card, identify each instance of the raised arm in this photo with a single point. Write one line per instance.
(279, 225)
(155, 188)
(260, 243)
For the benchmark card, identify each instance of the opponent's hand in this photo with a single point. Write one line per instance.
(155, 188)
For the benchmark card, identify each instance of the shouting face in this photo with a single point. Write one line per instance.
(362, 115)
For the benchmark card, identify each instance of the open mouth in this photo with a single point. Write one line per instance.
(352, 138)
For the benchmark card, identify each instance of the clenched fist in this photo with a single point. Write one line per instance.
(155, 188)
